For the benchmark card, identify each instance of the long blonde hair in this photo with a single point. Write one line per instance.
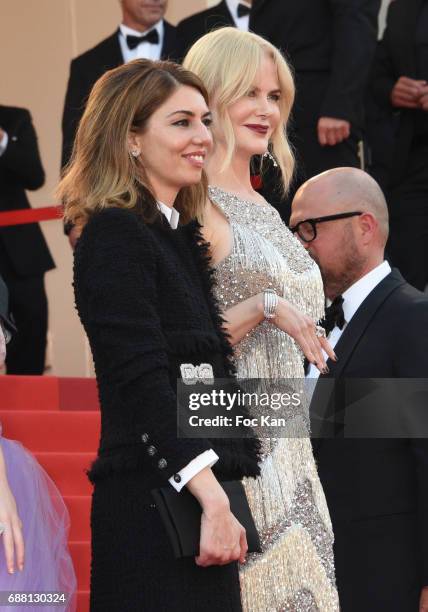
(102, 173)
(227, 60)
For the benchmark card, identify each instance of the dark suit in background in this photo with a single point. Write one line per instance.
(86, 69)
(377, 489)
(24, 255)
(195, 26)
(330, 44)
(403, 161)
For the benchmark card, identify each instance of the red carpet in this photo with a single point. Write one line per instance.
(58, 420)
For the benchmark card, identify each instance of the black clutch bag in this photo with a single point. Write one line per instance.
(181, 515)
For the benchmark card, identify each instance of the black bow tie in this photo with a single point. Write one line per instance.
(243, 10)
(334, 315)
(133, 41)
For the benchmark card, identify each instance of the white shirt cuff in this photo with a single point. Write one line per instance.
(3, 142)
(205, 459)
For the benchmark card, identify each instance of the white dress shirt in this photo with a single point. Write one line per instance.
(209, 457)
(144, 50)
(352, 300)
(242, 23)
(3, 142)
(170, 213)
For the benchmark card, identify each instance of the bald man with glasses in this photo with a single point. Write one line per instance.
(376, 489)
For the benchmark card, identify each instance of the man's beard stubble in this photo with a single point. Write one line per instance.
(348, 269)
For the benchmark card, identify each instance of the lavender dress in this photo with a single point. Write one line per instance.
(48, 565)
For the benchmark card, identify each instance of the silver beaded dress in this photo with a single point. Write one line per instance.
(295, 571)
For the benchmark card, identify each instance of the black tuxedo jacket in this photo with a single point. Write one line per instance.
(86, 69)
(195, 26)
(395, 57)
(21, 169)
(332, 38)
(330, 44)
(377, 489)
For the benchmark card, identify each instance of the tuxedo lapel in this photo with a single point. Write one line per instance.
(257, 6)
(10, 119)
(360, 321)
(326, 402)
(219, 16)
(111, 52)
(169, 47)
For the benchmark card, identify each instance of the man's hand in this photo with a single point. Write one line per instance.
(423, 100)
(423, 602)
(406, 93)
(332, 131)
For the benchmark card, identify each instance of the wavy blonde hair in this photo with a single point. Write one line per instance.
(227, 60)
(102, 173)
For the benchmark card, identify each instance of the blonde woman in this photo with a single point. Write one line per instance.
(272, 297)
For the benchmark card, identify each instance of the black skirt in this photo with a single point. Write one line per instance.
(133, 567)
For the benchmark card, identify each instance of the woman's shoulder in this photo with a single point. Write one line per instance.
(113, 216)
(115, 224)
(114, 232)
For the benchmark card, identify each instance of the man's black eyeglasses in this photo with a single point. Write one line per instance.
(307, 229)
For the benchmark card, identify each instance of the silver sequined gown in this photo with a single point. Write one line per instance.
(295, 571)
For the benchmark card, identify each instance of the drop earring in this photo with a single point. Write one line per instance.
(268, 155)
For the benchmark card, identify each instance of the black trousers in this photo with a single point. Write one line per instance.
(29, 307)
(407, 248)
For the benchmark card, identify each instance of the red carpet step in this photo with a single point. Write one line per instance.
(58, 420)
(81, 555)
(53, 431)
(79, 507)
(47, 393)
(83, 601)
(68, 470)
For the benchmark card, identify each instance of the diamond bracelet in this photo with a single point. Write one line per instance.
(270, 303)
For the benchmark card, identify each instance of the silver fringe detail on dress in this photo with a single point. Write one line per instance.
(295, 571)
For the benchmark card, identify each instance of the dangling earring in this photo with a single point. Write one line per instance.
(268, 155)
(135, 153)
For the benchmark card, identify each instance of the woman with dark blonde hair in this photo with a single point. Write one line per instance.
(272, 297)
(143, 292)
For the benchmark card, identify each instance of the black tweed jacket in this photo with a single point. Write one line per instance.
(144, 295)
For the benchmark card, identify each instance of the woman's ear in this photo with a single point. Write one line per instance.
(134, 146)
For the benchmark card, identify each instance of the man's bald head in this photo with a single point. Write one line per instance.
(345, 190)
(345, 248)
